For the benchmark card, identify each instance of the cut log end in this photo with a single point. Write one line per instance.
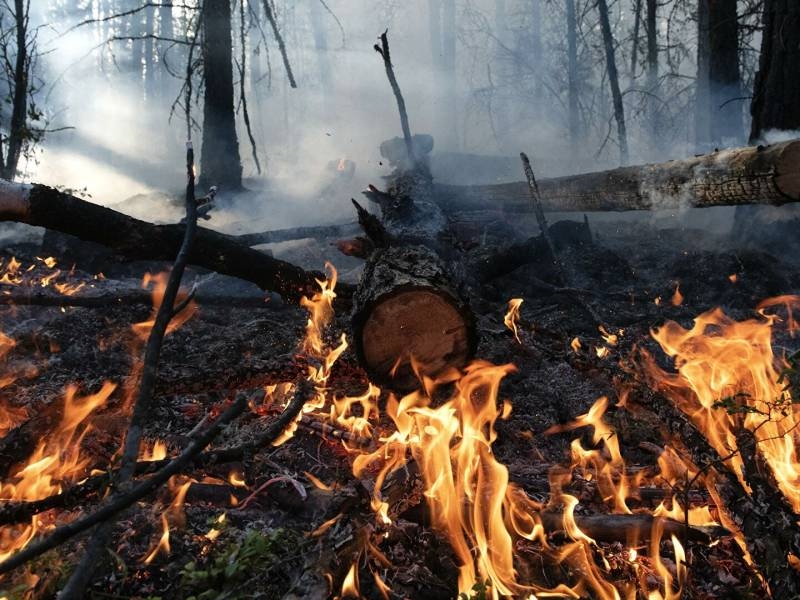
(414, 328)
(408, 319)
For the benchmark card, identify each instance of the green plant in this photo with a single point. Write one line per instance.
(480, 591)
(226, 575)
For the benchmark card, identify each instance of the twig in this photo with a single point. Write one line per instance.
(279, 39)
(122, 501)
(142, 409)
(242, 66)
(536, 203)
(383, 50)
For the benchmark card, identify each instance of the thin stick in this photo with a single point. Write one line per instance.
(142, 409)
(536, 203)
(242, 94)
(383, 50)
(281, 45)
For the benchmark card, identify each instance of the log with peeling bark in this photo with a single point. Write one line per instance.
(134, 239)
(750, 175)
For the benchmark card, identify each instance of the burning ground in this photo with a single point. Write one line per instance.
(544, 468)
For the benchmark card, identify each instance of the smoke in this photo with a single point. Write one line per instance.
(510, 95)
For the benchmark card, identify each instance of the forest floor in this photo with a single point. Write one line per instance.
(268, 544)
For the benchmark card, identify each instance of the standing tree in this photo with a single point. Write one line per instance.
(219, 159)
(613, 80)
(652, 70)
(777, 86)
(718, 116)
(18, 50)
(572, 77)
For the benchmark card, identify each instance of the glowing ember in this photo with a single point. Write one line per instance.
(512, 316)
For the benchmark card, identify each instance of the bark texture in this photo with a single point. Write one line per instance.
(750, 175)
(219, 160)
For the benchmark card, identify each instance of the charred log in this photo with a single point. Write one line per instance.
(134, 239)
(751, 175)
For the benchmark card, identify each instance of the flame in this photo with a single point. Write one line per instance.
(728, 380)
(677, 297)
(350, 584)
(342, 164)
(236, 479)
(163, 542)
(157, 452)
(575, 344)
(215, 531)
(159, 283)
(56, 459)
(512, 316)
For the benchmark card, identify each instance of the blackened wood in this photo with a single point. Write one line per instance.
(138, 240)
(407, 305)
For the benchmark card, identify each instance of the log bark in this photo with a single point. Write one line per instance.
(750, 175)
(296, 233)
(407, 306)
(134, 239)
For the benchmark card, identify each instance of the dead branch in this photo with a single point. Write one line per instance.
(126, 298)
(279, 39)
(536, 202)
(383, 50)
(142, 408)
(764, 518)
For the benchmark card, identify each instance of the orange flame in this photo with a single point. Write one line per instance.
(727, 380)
(159, 283)
(512, 316)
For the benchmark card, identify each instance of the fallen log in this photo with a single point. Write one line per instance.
(407, 316)
(296, 233)
(749, 175)
(131, 238)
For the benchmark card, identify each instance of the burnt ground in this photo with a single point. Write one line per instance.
(240, 341)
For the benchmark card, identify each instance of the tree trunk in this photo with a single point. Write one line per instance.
(613, 80)
(572, 77)
(702, 100)
(637, 19)
(751, 175)
(219, 160)
(450, 106)
(150, 53)
(323, 62)
(719, 108)
(777, 87)
(19, 106)
(652, 72)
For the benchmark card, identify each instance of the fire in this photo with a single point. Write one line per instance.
(163, 542)
(159, 284)
(512, 316)
(56, 459)
(157, 452)
(728, 379)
